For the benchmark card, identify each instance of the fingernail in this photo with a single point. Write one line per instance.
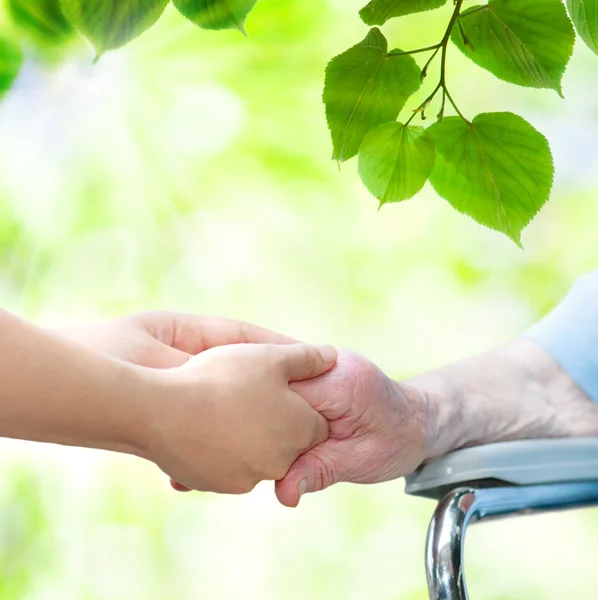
(328, 353)
(302, 488)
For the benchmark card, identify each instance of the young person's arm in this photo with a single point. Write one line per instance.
(224, 421)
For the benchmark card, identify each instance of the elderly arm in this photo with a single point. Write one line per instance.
(542, 385)
(517, 391)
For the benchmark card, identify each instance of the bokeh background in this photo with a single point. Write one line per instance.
(191, 171)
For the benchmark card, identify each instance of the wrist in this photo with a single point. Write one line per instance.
(412, 421)
(149, 400)
(442, 404)
(57, 391)
(168, 398)
(130, 410)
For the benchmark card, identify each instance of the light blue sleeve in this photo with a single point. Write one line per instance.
(570, 334)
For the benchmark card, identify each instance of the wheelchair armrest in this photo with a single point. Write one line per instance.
(497, 480)
(519, 463)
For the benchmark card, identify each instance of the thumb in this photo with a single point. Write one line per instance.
(302, 361)
(314, 471)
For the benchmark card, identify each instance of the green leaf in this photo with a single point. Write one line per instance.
(365, 87)
(377, 12)
(526, 42)
(41, 19)
(216, 14)
(497, 169)
(584, 14)
(110, 24)
(395, 161)
(11, 59)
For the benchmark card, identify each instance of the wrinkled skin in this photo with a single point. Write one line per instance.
(378, 429)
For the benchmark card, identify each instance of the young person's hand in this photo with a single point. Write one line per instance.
(379, 429)
(227, 419)
(163, 339)
(222, 422)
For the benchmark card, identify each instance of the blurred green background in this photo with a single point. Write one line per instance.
(191, 171)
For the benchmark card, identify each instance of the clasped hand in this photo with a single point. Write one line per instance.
(228, 405)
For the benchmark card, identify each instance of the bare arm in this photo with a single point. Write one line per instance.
(542, 385)
(223, 421)
(516, 391)
(52, 390)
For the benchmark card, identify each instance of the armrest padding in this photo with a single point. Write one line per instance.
(521, 463)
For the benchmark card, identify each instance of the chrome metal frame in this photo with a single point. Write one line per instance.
(462, 506)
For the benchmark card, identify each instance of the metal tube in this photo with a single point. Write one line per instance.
(462, 506)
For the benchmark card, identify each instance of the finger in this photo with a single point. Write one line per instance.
(321, 431)
(302, 361)
(314, 471)
(178, 487)
(195, 333)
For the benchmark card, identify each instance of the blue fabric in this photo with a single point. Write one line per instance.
(570, 334)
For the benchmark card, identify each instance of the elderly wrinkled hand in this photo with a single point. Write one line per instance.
(378, 429)
(381, 429)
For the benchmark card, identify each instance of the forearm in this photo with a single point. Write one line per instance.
(52, 390)
(514, 392)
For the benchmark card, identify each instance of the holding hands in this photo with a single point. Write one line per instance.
(246, 404)
(224, 417)
(236, 421)
(220, 405)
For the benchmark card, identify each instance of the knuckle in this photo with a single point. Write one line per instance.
(243, 486)
(311, 361)
(278, 472)
(311, 432)
(305, 439)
